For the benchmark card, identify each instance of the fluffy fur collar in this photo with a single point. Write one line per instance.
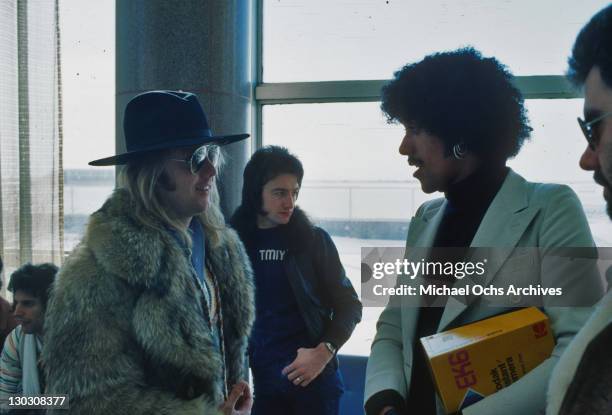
(138, 281)
(154, 261)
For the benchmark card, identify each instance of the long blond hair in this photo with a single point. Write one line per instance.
(141, 179)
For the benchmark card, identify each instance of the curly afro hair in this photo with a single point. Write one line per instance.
(460, 97)
(593, 47)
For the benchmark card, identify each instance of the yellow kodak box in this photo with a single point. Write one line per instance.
(470, 362)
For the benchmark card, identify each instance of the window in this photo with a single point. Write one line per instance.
(322, 40)
(87, 32)
(322, 63)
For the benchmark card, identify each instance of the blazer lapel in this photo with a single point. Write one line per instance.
(423, 228)
(421, 234)
(504, 223)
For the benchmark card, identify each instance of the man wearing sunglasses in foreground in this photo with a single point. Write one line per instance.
(582, 380)
(151, 312)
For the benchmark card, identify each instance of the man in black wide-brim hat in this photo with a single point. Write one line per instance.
(151, 311)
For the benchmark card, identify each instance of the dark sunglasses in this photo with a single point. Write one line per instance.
(208, 152)
(587, 129)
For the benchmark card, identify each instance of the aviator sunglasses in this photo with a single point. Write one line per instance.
(587, 129)
(208, 152)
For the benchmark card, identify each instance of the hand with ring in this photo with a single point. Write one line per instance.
(308, 364)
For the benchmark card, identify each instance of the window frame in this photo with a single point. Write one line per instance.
(270, 93)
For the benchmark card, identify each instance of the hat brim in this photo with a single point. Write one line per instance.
(220, 140)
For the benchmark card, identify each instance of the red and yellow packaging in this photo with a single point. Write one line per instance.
(476, 360)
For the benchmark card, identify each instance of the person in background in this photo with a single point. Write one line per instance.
(582, 380)
(7, 321)
(306, 308)
(20, 370)
(151, 312)
(463, 119)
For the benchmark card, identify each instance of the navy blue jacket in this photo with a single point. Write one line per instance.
(327, 300)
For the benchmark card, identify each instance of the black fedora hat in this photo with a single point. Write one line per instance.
(157, 120)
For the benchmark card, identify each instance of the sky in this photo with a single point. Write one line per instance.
(87, 30)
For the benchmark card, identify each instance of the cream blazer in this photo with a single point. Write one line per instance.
(522, 214)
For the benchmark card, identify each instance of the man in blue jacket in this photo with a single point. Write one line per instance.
(306, 308)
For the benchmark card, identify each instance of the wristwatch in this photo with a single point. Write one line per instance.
(330, 347)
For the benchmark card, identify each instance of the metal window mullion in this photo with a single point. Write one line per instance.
(532, 87)
(257, 77)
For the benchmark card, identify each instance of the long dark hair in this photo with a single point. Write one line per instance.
(266, 164)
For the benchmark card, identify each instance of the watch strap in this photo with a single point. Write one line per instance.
(332, 349)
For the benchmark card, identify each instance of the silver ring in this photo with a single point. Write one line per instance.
(299, 378)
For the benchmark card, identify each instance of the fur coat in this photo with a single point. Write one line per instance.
(124, 330)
